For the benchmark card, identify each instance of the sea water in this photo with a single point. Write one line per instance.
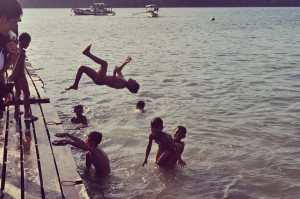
(233, 83)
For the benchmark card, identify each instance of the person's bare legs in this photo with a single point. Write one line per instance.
(100, 75)
(82, 69)
(97, 60)
(17, 99)
(22, 81)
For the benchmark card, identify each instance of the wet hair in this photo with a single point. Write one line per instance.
(24, 37)
(182, 129)
(157, 122)
(133, 86)
(78, 106)
(10, 8)
(140, 105)
(96, 137)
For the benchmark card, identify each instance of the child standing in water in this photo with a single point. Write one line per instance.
(178, 135)
(95, 155)
(116, 81)
(19, 78)
(79, 118)
(166, 145)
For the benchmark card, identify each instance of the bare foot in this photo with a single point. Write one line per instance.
(30, 118)
(72, 87)
(87, 50)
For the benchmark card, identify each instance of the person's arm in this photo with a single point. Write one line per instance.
(85, 123)
(180, 161)
(148, 149)
(13, 51)
(19, 65)
(10, 61)
(73, 120)
(120, 68)
(80, 146)
(75, 139)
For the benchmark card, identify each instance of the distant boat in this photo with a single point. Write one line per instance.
(98, 9)
(152, 10)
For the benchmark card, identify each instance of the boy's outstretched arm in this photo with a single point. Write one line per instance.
(80, 146)
(75, 139)
(118, 70)
(177, 151)
(148, 150)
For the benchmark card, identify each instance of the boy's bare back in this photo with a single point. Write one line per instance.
(100, 161)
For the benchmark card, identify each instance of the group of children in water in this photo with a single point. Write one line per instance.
(169, 149)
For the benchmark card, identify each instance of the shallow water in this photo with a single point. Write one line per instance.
(234, 84)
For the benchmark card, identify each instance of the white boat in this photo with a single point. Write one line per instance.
(152, 10)
(99, 9)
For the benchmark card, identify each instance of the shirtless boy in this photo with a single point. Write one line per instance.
(116, 81)
(165, 143)
(95, 155)
(178, 135)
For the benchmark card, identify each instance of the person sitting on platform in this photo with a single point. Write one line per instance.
(116, 81)
(79, 119)
(95, 154)
(20, 80)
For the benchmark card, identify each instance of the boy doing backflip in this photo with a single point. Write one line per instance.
(116, 81)
(166, 145)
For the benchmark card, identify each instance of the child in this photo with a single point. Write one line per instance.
(19, 78)
(178, 135)
(116, 81)
(166, 145)
(79, 118)
(139, 107)
(95, 155)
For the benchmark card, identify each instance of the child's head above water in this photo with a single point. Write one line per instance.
(140, 105)
(157, 125)
(78, 109)
(179, 133)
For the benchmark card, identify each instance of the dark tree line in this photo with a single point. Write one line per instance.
(161, 3)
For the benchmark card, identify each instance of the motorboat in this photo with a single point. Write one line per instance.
(152, 10)
(98, 9)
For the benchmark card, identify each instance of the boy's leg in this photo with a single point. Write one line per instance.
(158, 154)
(25, 88)
(82, 69)
(163, 159)
(103, 64)
(17, 99)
